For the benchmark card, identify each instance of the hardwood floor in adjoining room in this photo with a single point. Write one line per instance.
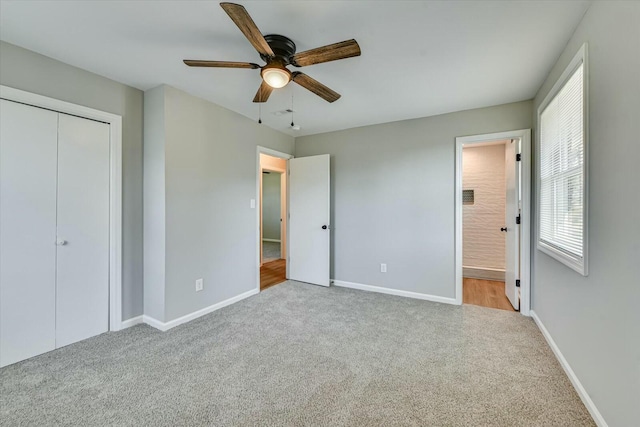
(272, 273)
(486, 293)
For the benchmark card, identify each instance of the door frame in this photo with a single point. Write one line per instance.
(115, 183)
(258, 207)
(525, 225)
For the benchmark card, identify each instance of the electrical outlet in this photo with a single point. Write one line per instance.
(383, 268)
(199, 285)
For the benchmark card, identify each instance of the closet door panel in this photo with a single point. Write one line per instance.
(82, 298)
(28, 139)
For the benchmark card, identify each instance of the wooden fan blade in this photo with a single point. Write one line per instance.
(263, 92)
(220, 64)
(242, 19)
(315, 86)
(332, 52)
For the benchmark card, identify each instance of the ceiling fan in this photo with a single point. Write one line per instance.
(279, 51)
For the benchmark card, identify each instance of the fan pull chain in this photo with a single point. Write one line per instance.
(292, 109)
(260, 112)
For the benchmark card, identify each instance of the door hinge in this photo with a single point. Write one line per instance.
(518, 219)
(518, 157)
(517, 283)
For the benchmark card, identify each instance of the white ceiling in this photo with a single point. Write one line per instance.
(418, 58)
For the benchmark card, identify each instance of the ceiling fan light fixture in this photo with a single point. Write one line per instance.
(275, 76)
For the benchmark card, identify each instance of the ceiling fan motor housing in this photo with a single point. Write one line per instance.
(283, 47)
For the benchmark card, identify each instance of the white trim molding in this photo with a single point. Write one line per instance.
(115, 184)
(525, 226)
(165, 326)
(390, 291)
(154, 323)
(584, 396)
(131, 322)
(496, 274)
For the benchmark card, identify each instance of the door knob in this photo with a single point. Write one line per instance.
(324, 227)
(61, 242)
(503, 229)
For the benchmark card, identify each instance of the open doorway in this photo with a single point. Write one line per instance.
(272, 226)
(492, 220)
(272, 172)
(484, 200)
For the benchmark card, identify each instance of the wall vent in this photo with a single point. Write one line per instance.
(468, 197)
(283, 112)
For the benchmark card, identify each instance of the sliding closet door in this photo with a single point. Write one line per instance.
(82, 299)
(27, 231)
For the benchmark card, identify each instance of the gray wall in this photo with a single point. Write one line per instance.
(271, 205)
(29, 71)
(154, 203)
(392, 194)
(210, 176)
(595, 320)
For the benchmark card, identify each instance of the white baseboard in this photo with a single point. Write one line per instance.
(154, 322)
(271, 240)
(165, 326)
(584, 396)
(131, 322)
(483, 273)
(396, 292)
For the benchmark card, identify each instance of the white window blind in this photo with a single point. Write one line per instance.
(562, 170)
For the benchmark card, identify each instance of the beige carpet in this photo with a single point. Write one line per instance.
(301, 355)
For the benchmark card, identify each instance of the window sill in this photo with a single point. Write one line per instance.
(578, 265)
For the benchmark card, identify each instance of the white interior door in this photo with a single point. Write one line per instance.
(309, 231)
(82, 297)
(27, 231)
(512, 258)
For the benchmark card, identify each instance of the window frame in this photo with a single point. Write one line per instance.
(580, 265)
